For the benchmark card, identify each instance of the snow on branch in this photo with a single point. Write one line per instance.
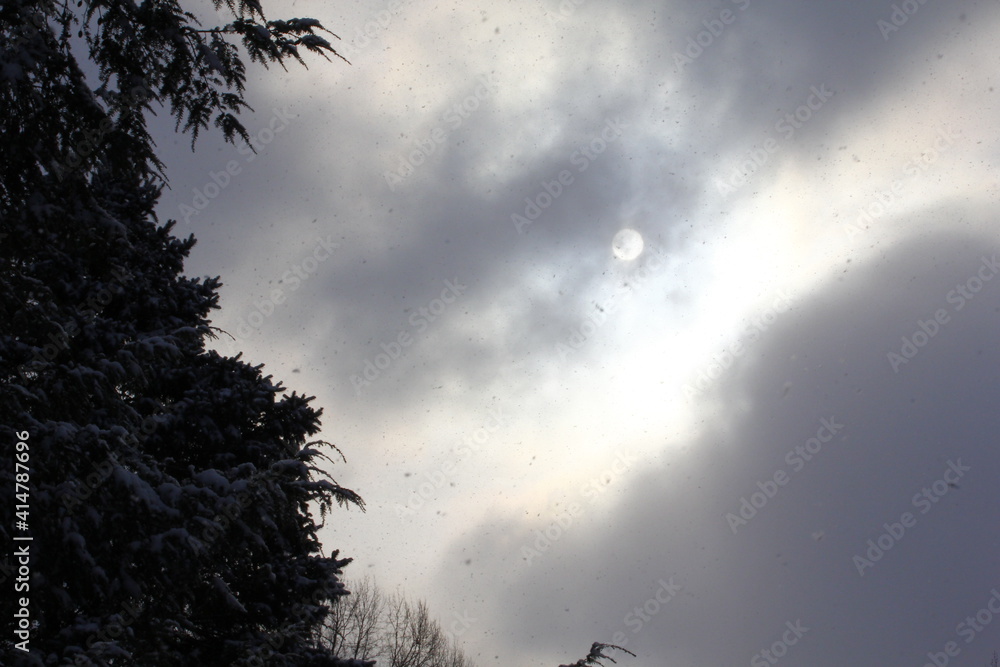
(597, 654)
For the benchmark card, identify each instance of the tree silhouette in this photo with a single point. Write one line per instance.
(372, 625)
(57, 123)
(171, 490)
(597, 654)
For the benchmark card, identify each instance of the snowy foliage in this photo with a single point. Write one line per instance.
(166, 478)
(173, 490)
(147, 55)
(597, 654)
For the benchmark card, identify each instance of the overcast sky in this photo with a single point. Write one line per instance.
(679, 438)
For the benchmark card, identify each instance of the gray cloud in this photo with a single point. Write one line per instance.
(794, 558)
(558, 83)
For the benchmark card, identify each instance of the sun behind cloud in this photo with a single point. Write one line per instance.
(627, 244)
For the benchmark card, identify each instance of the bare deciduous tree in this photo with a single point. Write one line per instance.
(352, 627)
(371, 625)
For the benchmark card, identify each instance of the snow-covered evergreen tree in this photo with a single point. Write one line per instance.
(170, 489)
